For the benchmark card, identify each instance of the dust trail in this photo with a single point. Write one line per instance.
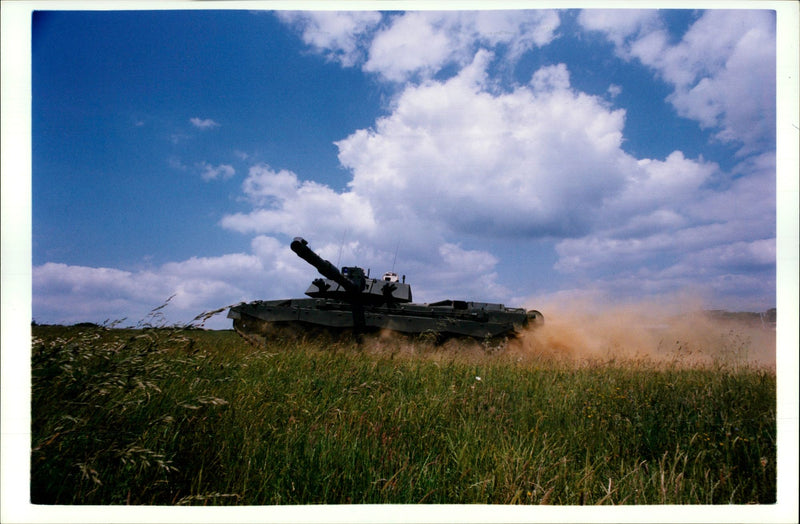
(677, 333)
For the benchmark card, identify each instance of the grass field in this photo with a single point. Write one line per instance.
(171, 416)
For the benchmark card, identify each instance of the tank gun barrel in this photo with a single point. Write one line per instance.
(300, 247)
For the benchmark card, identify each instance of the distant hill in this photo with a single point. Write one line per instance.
(767, 317)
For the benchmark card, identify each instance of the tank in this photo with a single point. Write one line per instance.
(349, 301)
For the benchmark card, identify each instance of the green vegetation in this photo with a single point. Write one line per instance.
(170, 416)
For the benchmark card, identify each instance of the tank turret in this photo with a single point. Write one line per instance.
(351, 283)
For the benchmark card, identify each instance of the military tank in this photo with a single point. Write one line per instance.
(349, 301)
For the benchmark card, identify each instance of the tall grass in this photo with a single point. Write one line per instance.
(165, 416)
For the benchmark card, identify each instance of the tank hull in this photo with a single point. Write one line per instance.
(445, 319)
(349, 300)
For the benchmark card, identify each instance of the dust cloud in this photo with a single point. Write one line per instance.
(675, 333)
(583, 331)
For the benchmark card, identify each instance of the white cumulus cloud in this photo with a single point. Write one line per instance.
(722, 70)
(285, 205)
(67, 293)
(335, 34)
(687, 233)
(401, 46)
(472, 161)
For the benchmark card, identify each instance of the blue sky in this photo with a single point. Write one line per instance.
(523, 157)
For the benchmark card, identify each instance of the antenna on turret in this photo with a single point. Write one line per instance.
(395, 255)
(341, 246)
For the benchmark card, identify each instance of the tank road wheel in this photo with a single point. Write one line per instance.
(431, 338)
(261, 332)
(258, 332)
(493, 345)
(535, 318)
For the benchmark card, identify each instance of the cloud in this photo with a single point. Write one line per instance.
(734, 88)
(203, 123)
(176, 163)
(423, 42)
(411, 44)
(335, 34)
(620, 25)
(722, 70)
(491, 164)
(550, 78)
(688, 233)
(398, 47)
(654, 185)
(263, 184)
(68, 294)
(285, 205)
(209, 172)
